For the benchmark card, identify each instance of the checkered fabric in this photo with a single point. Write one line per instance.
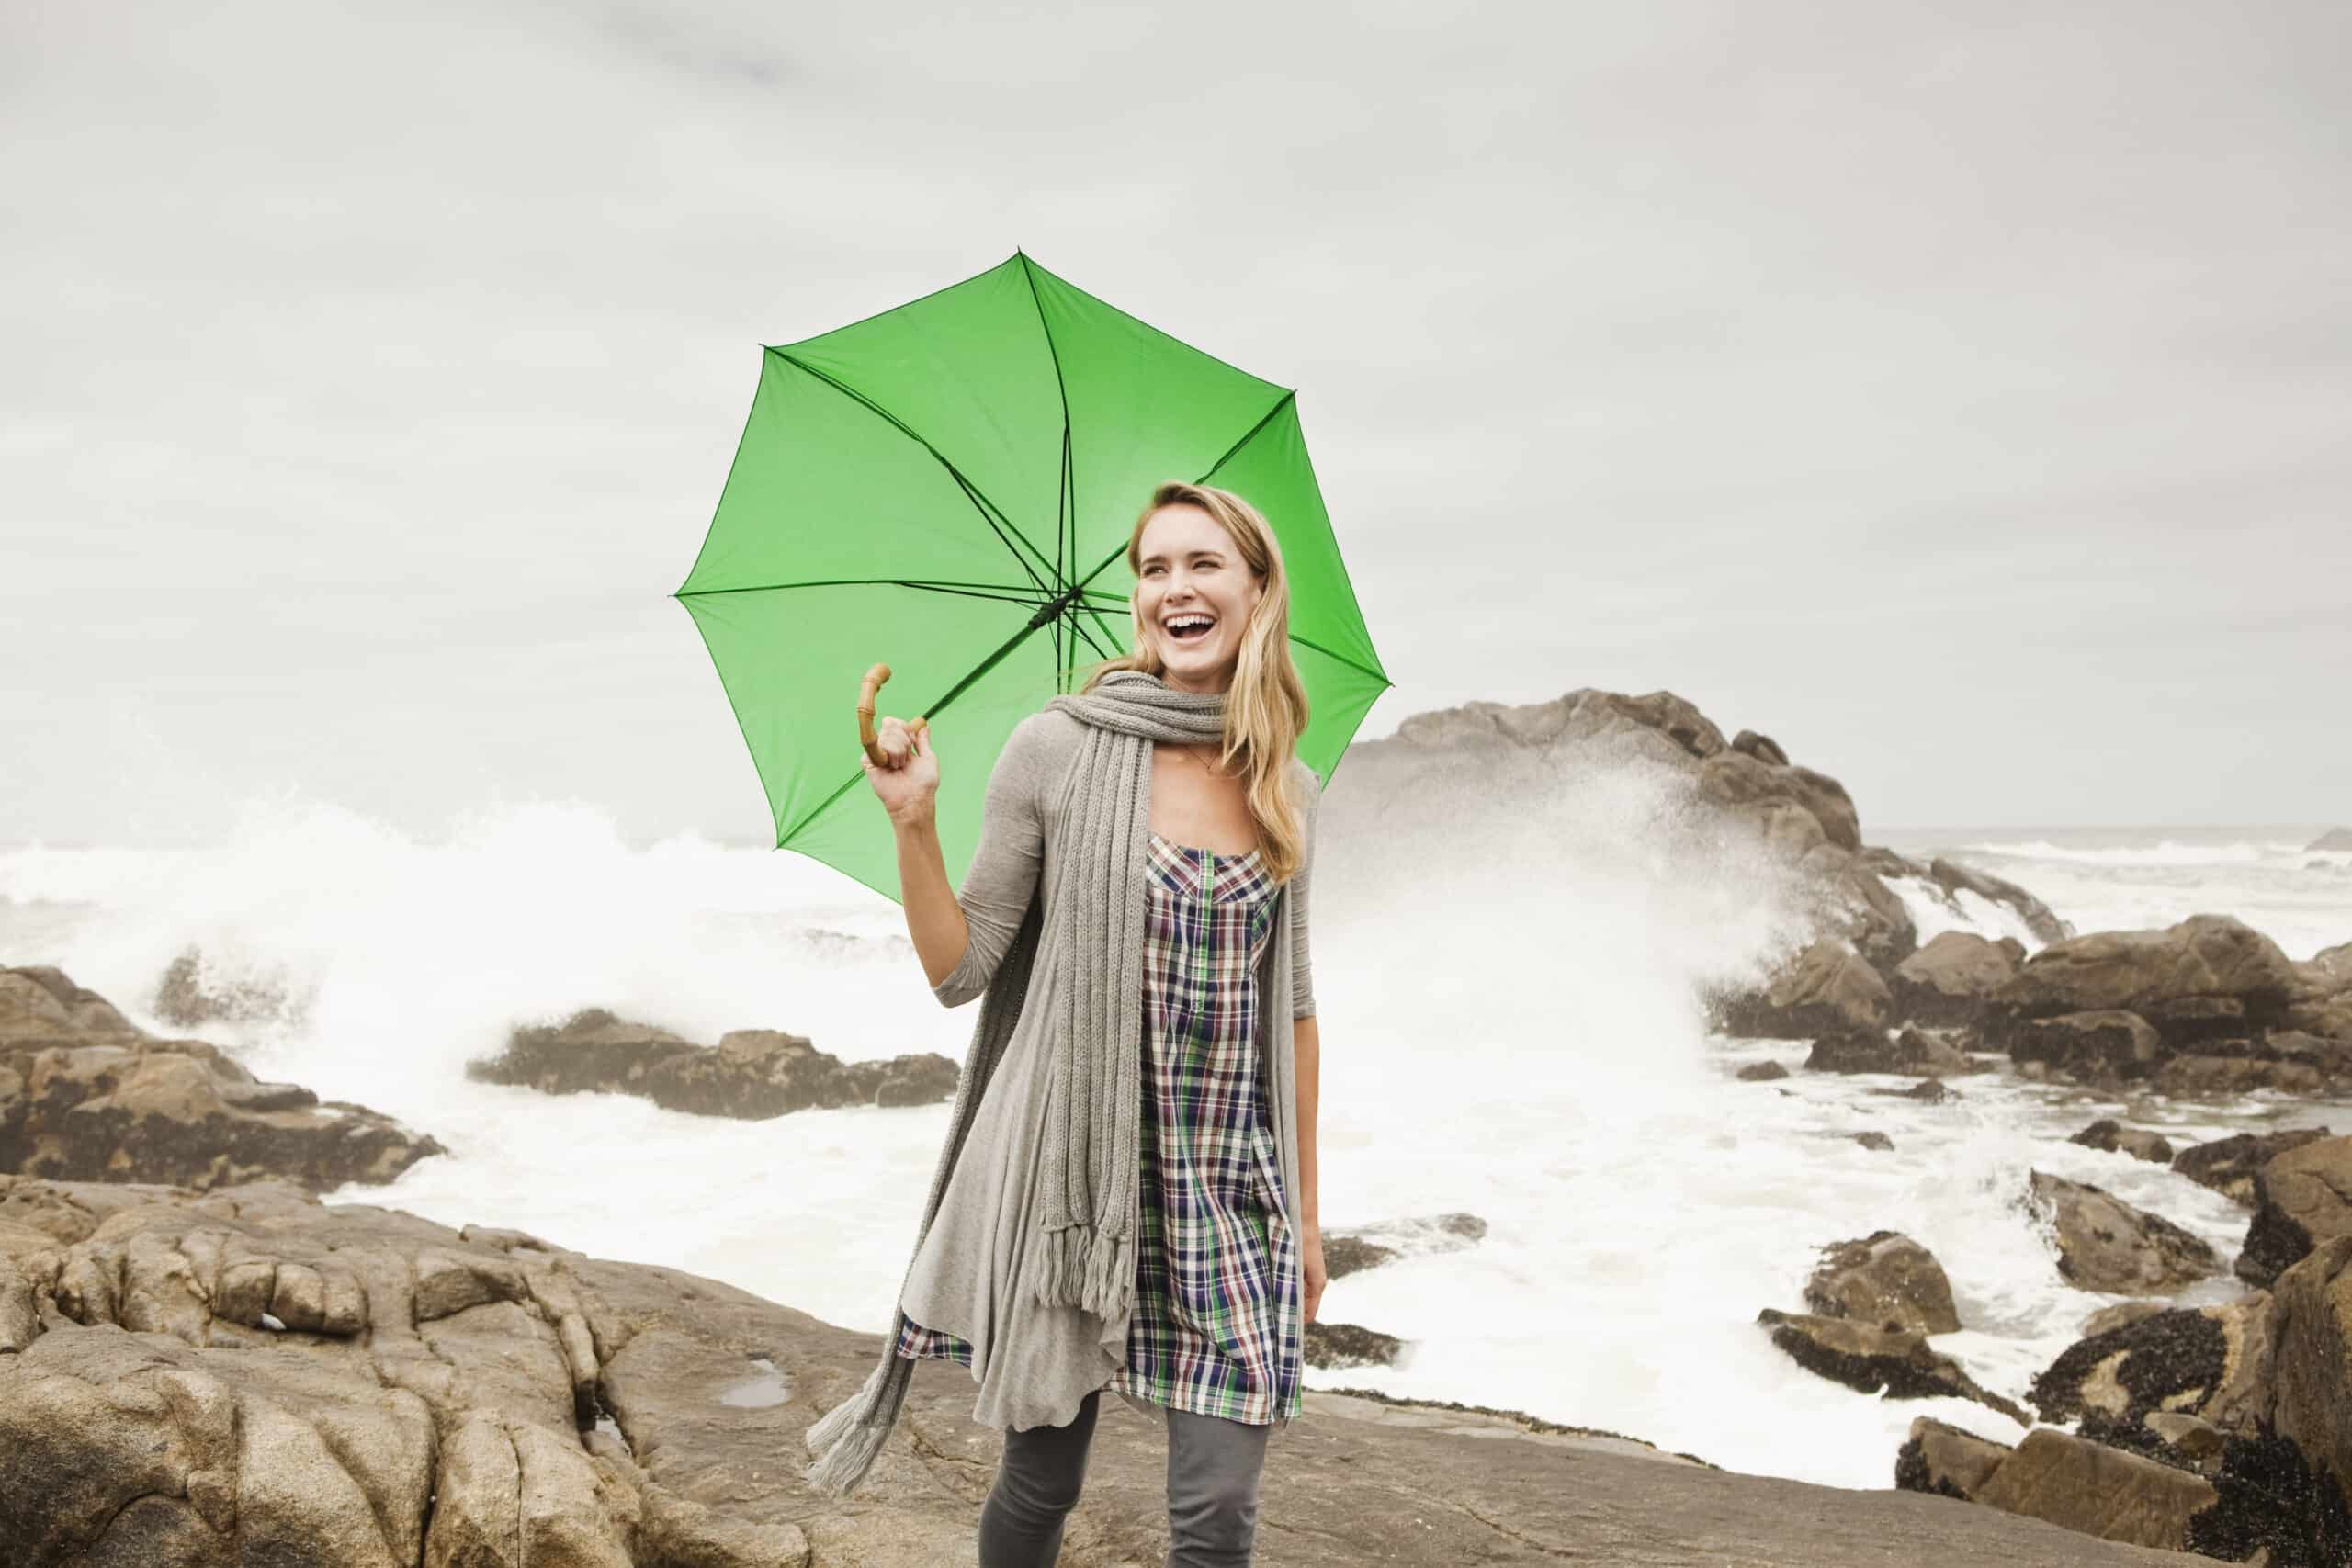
(1217, 1267)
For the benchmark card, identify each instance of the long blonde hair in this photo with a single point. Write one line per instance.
(1265, 707)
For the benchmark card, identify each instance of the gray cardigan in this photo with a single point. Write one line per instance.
(1035, 1364)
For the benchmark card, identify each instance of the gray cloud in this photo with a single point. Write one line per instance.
(1957, 395)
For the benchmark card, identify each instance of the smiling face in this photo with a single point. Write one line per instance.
(1190, 571)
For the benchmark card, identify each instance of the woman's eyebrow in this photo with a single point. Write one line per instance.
(1156, 556)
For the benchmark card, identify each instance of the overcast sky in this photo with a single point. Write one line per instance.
(1959, 394)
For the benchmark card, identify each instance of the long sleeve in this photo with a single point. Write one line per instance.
(1005, 863)
(1302, 980)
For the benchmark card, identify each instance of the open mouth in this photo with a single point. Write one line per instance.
(1188, 628)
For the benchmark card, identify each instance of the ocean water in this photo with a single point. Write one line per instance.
(1506, 990)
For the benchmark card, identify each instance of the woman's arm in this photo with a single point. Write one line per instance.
(962, 940)
(934, 921)
(963, 937)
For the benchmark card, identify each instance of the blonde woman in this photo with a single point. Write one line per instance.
(1127, 1195)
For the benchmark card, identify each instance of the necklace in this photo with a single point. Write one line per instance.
(1206, 766)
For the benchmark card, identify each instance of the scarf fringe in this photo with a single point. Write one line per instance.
(847, 1438)
(1081, 1267)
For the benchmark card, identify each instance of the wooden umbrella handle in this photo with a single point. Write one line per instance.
(873, 684)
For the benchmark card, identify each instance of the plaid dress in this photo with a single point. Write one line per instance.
(1216, 1270)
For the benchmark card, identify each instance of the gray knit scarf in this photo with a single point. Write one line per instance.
(1082, 1233)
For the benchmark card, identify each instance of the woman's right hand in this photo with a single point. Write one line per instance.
(908, 781)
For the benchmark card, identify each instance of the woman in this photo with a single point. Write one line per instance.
(1110, 1210)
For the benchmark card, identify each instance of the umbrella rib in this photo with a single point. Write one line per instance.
(992, 514)
(1068, 461)
(1066, 501)
(1251, 434)
(1334, 654)
(1011, 592)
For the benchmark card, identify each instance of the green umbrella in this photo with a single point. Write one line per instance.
(946, 487)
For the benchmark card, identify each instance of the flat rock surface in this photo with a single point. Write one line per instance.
(639, 1413)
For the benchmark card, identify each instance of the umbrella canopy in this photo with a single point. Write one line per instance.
(947, 488)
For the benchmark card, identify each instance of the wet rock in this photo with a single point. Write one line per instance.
(2098, 1489)
(2105, 1244)
(2227, 1078)
(2313, 1330)
(1908, 1050)
(1339, 1345)
(2174, 977)
(1827, 990)
(154, 1112)
(2274, 1507)
(2109, 1045)
(39, 1005)
(2301, 1197)
(1895, 1365)
(2213, 1362)
(1761, 1072)
(1949, 980)
(750, 1074)
(1885, 1280)
(2114, 1137)
(1354, 1250)
(190, 997)
(1344, 1255)
(1946, 1460)
(85, 1096)
(2229, 1165)
(1876, 1141)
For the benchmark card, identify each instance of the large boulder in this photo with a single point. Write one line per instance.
(1744, 793)
(39, 1005)
(1947, 981)
(2112, 1136)
(2303, 1197)
(2313, 1330)
(123, 1106)
(2229, 1165)
(2212, 1362)
(2098, 1489)
(750, 1074)
(1826, 989)
(2105, 1244)
(2205, 976)
(1886, 1280)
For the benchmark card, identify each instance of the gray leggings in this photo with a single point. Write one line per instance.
(1214, 1466)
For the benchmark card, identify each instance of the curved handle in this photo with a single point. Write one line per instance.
(873, 684)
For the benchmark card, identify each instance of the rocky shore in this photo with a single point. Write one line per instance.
(222, 1369)
(2225, 1430)
(202, 1363)
(247, 1376)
